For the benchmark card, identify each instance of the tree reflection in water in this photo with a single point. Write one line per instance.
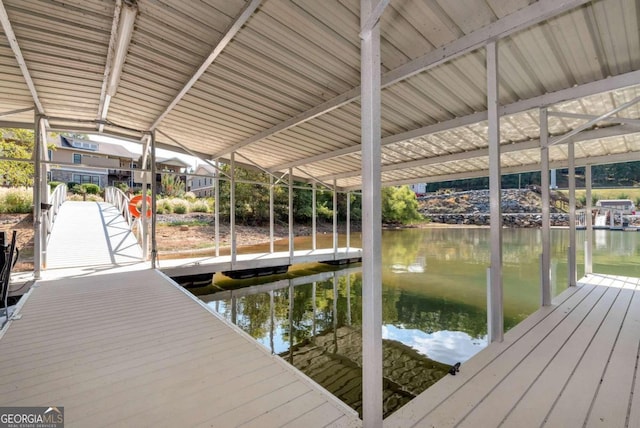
(433, 303)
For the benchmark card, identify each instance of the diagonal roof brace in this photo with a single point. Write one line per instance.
(503, 27)
(224, 41)
(17, 52)
(585, 90)
(592, 122)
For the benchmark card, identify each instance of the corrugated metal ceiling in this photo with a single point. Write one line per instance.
(292, 56)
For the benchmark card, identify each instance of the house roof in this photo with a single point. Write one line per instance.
(278, 82)
(109, 149)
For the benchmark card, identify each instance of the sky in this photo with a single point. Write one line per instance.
(137, 148)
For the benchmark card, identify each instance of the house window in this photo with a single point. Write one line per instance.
(86, 178)
(77, 158)
(49, 154)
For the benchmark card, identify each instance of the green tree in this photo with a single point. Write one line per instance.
(17, 144)
(172, 185)
(399, 205)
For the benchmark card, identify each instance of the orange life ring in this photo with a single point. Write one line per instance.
(133, 206)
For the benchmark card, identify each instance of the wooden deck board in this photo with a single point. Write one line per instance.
(154, 354)
(582, 386)
(548, 385)
(571, 364)
(413, 412)
(577, 325)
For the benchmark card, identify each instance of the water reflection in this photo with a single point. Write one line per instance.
(433, 305)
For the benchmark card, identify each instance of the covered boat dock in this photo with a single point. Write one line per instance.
(349, 95)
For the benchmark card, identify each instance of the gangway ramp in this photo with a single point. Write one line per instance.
(90, 234)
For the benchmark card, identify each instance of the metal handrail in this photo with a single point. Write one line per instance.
(56, 198)
(120, 200)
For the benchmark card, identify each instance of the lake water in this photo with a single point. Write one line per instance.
(433, 304)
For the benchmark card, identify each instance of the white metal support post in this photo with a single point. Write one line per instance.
(495, 322)
(348, 220)
(38, 239)
(371, 220)
(291, 236)
(314, 226)
(335, 218)
(154, 193)
(232, 209)
(588, 242)
(545, 257)
(216, 210)
(572, 215)
(271, 214)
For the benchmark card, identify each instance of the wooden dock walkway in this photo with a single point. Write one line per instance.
(91, 234)
(134, 349)
(572, 364)
(199, 265)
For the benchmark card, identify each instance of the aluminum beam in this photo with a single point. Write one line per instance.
(17, 53)
(595, 134)
(216, 211)
(592, 122)
(154, 200)
(371, 223)
(291, 235)
(504, 27)
(545, 257)
(335, 219)
(588, 243)
(38, 239)
(232, 211)
(616, 119)
(573, 280)
(587, 89)
(229, 34)
(495, 316)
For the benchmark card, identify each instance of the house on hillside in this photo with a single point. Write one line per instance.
(83, 161)
(173, 165)
(202, 183)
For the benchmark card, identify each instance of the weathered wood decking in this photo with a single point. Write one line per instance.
(572, 364)
(133, 349)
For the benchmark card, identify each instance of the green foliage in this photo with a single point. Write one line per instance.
(16, 200)
(91, 189)
(164, 206)
(123, 186)
(17, 144)
(54, 184)
(190, 196)
(399, 205)
(199, 207)
(172, 186)
(180, 206)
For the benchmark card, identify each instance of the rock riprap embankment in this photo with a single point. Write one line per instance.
(520, 208)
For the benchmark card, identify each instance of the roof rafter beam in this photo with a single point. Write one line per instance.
(585, 90)
(610, 131)
(579, 162)
(592, 122)
(16, 111)
(628, 121)
(229, 34)
(105, 99)
(503, 27)
(17, 53)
